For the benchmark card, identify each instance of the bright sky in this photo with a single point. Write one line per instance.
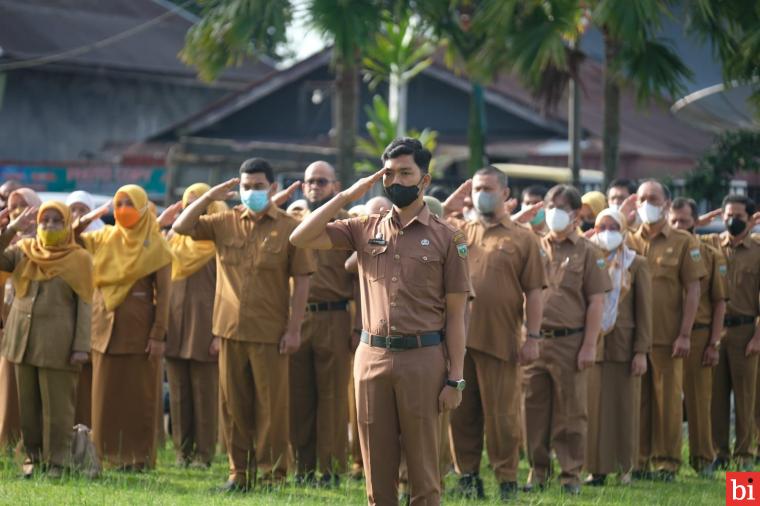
(304, 40)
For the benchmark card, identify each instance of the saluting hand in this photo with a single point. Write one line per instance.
(707, 218)
(25, 220)
(81, 224)
(527, 213)
(169, 216)
(457, 200)
(362, 186)
(290, 342)
(628, 208)
(283, 196)
(223, 191)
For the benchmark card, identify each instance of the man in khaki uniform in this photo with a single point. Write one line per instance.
(507, 275)
(556, 384)
(737, 364)
(256, 317)
(414, 277)
(677, 267)
(705, 341)
(319, 370)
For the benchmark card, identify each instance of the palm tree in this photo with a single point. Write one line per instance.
(231, 30)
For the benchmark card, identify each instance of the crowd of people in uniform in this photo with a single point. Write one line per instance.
(392, 339)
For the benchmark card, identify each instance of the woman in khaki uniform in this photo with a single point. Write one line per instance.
(132, 267)
(10, 426)
(47, 334)
(191, 348)
(615, 380)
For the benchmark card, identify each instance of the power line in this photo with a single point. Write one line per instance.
(77, 51)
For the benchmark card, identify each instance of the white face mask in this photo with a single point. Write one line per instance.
(609, 240)
(614, 207)
(557, 219)
(650, 213)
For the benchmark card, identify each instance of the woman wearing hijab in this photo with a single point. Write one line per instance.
(132, 271)
(47, 333)
(191, 348)
(81, 202)
(615, 380)
(10, 428)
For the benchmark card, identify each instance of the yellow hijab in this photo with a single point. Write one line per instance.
(189, 255)
(121, 255)
(67, 260)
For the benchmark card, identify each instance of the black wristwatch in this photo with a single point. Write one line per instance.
(458, 384)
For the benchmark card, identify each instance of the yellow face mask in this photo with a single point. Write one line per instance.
(51, 238)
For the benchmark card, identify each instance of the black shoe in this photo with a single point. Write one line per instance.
(470, 486)
(529, 488)
(707, 471)
(232, 487)
(328, 480)
(721, 464)
(665, 476)
(571, 489)
(508, 490)
(643, 475)
(596, 480)
(306, 480)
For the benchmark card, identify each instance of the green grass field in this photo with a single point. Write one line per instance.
(172, 485)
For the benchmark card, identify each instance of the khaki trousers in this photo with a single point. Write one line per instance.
(319, 373)
(697, 390)
(397, 397)
(353, 427)
(614, 396)
(491, 407)
(661, 411)
(738, 373)
(47, 403)
(555, 410)
(83, 414)
(254, 379)
(10, 426)
(194, 405)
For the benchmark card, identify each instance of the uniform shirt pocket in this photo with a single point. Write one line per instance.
(231, 251)
(503, 256)
(666, 267)
(572, 274)
(421, 268)
(373, 261)
(271, 254)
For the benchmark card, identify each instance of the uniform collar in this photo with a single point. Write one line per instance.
(726, 240)
(423, 216)
(573, 237)
(643, 231)
(271, 211)
(505, 222)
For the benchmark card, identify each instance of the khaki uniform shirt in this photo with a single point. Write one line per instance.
(743, 277)
(143, 315)
(190, 311)
(675, 260)
(256, 261)
(330, 282)
(633, 328)
(505, 262)
(713, 286)
(46, 325)
(575, 270)
(405, 279)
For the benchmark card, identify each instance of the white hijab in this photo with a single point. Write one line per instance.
(618, 262)
(82, 197)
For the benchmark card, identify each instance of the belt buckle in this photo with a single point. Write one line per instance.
(389, 343)
(548, 334)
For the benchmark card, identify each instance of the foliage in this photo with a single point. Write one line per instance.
(382, 130)
(731, 152)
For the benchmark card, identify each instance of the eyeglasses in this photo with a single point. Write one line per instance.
(318, 181)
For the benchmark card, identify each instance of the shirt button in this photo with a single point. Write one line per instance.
(396, 256)
(401, 233)
(424, 258)
(393, 327)
(394, 279)
(393, 304)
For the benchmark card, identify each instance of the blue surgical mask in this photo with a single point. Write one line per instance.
(255, 200)
(484, 202)
(538, 218)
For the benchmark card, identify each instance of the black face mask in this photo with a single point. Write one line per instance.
(402, 196)
(313, 206)
(586, 226)
(736, 226)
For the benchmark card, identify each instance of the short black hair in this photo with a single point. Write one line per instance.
(681, 202)
(570, 192)
(665, 188)
(401, 146)
(622, 182)
(535, 190)
(256, 166)
(735, 198)
(490, 170)
(438, 192)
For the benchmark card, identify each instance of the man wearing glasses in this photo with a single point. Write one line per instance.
(319, 370)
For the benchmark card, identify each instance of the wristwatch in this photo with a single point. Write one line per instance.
(715, 344)
(458, 384)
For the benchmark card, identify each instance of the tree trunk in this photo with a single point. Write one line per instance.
(574, 132)
(345, 105)
(611, 126)
(397, 102)
(476, 131)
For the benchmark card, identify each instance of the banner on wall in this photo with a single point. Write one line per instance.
(97, 179)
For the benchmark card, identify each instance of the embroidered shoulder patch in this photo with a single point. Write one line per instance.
(462, 250)
(723, 270)
(459, 237)
(601, 263)
(695, 255)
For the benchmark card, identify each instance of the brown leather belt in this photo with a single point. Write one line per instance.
(315, 307)
(735, 321)
(552, 334)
